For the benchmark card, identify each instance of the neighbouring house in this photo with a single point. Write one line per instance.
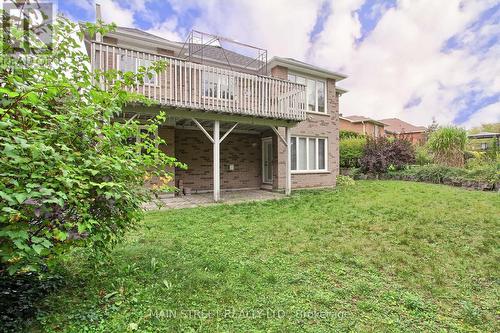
(483, 141)
(237, 121)
(401, 129)
(362, 125)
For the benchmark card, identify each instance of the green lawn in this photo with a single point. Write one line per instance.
(378, 256)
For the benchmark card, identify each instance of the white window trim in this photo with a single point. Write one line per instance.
(316, 138)
(307, 77)
(156, 82)
(219, 90)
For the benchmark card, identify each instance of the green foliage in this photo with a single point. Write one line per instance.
(380, 256)
(343, 134)
(436, 173)
(422, 156)
(350, 151)
(20, 296)
(479, 159)
(447, 145)
(70, 174)
(345, 181)
(492, 128)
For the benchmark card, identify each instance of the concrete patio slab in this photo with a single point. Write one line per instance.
(206, 199)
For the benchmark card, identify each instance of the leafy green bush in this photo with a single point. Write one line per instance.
(435, 173)
(345, 180)
(70, 174)
(447, 145)
(422, 156)
(343, 134)
(350, 151)
(381, 154)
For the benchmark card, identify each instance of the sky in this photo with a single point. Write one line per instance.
(417, 60)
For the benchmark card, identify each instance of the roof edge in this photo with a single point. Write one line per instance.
(298, 65)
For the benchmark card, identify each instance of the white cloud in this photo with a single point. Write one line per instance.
(168, 30)
(280, 26)
(401, 59)
(114, 12)
(488, 114)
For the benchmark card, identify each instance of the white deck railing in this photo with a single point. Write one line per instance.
(194, 86)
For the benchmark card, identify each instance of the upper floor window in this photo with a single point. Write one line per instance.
(128, 63)
(218, 85)
(315, 92)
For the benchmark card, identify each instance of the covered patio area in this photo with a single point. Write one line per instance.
(206, 199)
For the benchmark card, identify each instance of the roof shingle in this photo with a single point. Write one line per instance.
(398, 126)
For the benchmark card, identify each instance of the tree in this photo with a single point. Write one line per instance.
(492, 127)
(70, 176)
(431, 128)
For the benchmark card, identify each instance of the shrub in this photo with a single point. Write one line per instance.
(345, 180)
(350, 151)
(436, 173)
(447, 145)
(380, 154)
(70, 174)
(343, 134)
(422, 156)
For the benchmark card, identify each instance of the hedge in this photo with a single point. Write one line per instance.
(350, 151)
(485, 178)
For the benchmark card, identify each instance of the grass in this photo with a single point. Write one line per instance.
(378, 256)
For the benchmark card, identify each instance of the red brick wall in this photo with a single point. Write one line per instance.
(346, 125)
(243, 150)
(353, 127)
(280, 72)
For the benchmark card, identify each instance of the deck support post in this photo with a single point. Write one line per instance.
(216, 142)
(288, 172)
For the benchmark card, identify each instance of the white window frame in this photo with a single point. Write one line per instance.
(306, 77)
(297, 151)
(154, 79)
(230, 92)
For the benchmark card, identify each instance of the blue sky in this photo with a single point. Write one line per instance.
(414, 59)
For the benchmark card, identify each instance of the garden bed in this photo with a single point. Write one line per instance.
(485, 179)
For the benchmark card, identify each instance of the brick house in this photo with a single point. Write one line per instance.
(362, 125)
(400, 129)
(237, 122)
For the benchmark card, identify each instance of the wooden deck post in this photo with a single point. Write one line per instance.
(216, 141)
(288, 172)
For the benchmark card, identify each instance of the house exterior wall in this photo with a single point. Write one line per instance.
(242, 150)
(366, 128)
(316, 125)
(349, 126)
